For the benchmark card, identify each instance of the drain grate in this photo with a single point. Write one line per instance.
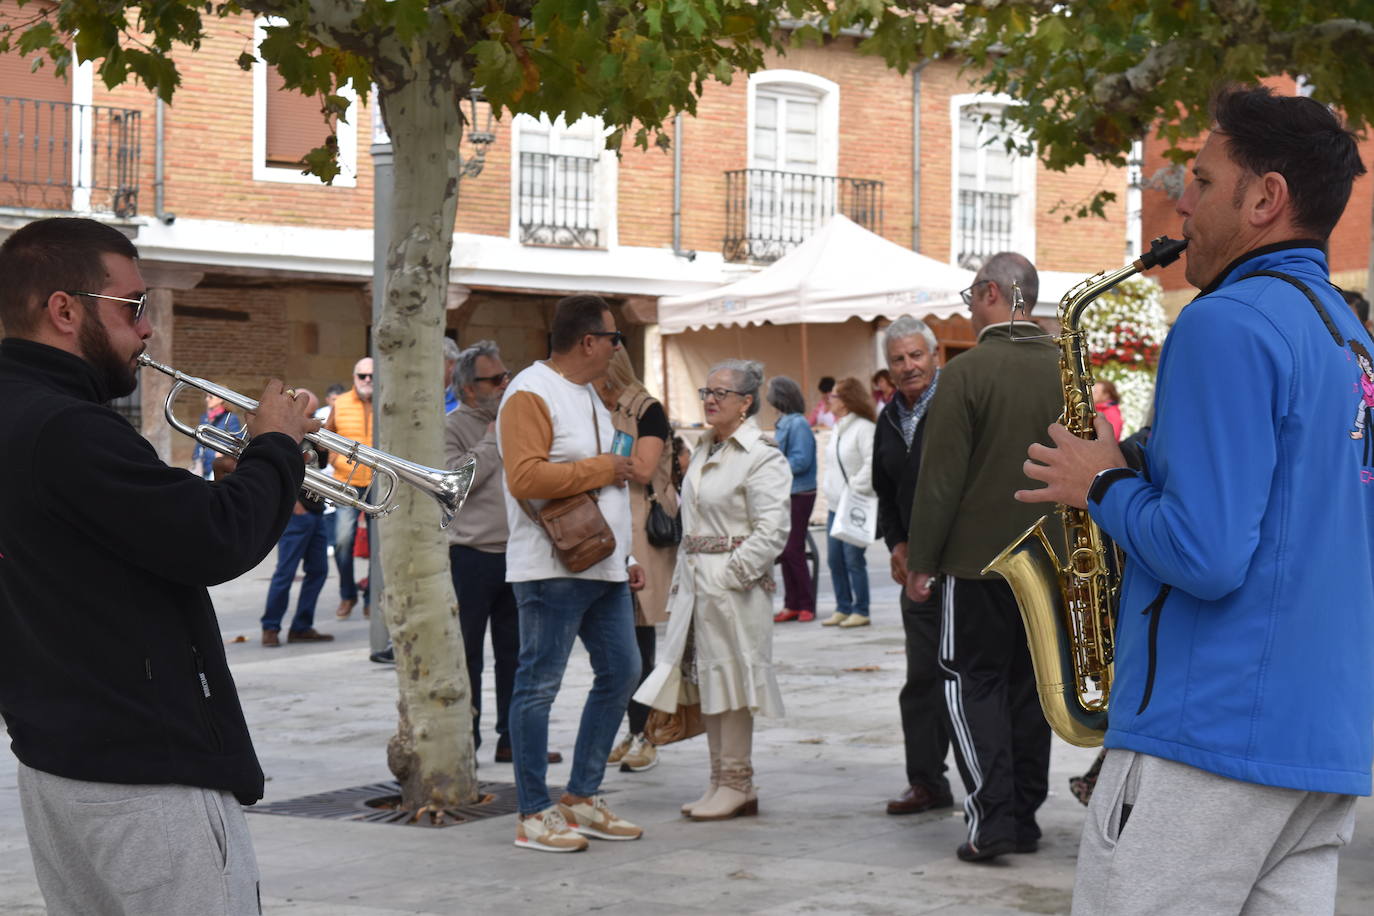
(376, 804)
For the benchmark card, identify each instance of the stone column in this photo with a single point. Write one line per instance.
(153, 386)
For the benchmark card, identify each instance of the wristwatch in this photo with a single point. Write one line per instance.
(1104, 479)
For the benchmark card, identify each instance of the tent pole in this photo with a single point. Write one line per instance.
(805, 374)
(663, 368)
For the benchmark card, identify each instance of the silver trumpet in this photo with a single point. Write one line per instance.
(449, 488)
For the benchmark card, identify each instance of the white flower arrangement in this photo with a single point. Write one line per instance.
(1123, 331)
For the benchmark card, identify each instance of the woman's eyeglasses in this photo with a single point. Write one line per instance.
(717, 393)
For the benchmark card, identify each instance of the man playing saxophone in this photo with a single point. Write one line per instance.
(133, 751)
(1241, 724)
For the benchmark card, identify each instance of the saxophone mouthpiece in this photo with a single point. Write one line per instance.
(1163, 252)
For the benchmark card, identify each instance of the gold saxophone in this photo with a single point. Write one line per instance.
(1069, 606)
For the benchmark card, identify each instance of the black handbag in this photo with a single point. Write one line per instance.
(662, 529)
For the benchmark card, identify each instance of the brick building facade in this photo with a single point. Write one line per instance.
(257, 270)
(1349, 250)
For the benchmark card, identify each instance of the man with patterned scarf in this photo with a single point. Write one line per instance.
(912, 358)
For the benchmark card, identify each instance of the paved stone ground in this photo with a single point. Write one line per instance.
(321, 716)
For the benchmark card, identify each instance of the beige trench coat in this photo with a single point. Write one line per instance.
(741, 491)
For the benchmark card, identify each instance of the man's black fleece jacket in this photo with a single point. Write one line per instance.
(112, 665)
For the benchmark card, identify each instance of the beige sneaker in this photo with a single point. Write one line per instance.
(641, 756)
(595, 819)
(619, 751)
(834, 619)
(547, 831)
(855, 620)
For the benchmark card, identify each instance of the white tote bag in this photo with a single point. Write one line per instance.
(856, 517)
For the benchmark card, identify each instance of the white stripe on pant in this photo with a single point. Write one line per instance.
(954, 699)
(104, 849)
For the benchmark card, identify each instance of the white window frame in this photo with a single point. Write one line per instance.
(606, 183)
(346, 129)
(1024, 176)
(828, 126)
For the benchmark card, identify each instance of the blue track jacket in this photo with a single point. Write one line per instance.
(1257, 508)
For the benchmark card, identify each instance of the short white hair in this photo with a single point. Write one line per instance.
(906, 326)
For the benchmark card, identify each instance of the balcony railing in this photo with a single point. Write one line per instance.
(985, 219)
(558, 201)
(64, 156)
(768, 213)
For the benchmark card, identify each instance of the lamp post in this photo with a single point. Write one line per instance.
(480, 139)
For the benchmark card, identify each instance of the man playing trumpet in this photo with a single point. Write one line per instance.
(133, 751)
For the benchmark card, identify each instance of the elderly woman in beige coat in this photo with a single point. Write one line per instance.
(719, 648)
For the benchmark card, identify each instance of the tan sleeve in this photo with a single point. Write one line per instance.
(526, 436)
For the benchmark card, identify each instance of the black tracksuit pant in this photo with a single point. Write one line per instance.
(925, 722)
(995, 716)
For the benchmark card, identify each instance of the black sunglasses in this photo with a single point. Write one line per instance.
(365, 376)
(496, 379)
(140, 304)
(617, 338)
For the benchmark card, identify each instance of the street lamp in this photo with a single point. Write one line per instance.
(480, 139)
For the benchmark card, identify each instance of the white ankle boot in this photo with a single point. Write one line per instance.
(727, 802)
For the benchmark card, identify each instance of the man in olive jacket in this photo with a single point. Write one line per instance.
(133, 751)
(991, 404)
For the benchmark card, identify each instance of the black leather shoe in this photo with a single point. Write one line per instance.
(967, 852)
(917, 799)
(385, 657)
(1026, 847)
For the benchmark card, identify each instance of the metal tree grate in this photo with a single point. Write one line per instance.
(376, 804)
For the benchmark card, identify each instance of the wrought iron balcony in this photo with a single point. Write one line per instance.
(768, 213)
(64, 156)
(558, 204)
(984, 225)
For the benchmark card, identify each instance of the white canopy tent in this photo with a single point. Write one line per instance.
(843, 276)
(842, 272)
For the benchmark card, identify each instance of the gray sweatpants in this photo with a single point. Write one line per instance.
(1198, 843)
(103, 849)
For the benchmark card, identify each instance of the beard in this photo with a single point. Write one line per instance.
(116, 373)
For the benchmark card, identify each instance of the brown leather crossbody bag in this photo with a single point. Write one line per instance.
(580, 535)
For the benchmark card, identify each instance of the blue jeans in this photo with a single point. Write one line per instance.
(345, 530)
(848, 573)
(305, 539)
(553, 612)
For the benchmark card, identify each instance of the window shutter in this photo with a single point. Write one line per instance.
(294, 125)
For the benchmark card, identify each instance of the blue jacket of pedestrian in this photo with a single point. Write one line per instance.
(798, 443)
(1246, 626)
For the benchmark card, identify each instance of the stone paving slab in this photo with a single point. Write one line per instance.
(321, 715)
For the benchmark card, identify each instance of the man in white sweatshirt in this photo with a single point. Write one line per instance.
(555, 438)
